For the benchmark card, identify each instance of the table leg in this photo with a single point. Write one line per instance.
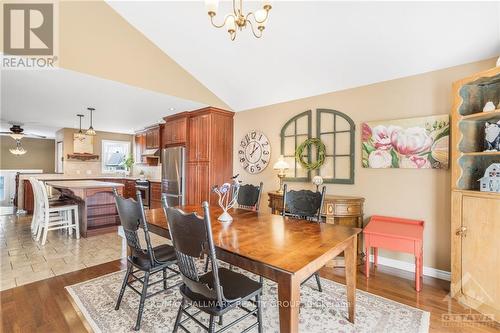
(350, 277)
(375, 256)
(289, 303)
(367, 261)
(417, 272)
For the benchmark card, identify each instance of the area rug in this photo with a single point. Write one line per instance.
(319, 312)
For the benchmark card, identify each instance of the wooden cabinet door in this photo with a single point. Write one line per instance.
(197, 183)
(192, 194)
(203, 144)
(192, 146)
(203, 177)
(153, 138)
(155, 195)
(481, 251)
(140, 145)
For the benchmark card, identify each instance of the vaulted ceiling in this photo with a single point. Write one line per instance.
(315, 47)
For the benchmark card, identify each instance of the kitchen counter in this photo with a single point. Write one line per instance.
(96, 204)
(83, 184)
(46, 178)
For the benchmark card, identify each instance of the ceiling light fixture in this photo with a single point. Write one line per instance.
(80, 133)
(19, 150)
(91, 130)
(237, 20)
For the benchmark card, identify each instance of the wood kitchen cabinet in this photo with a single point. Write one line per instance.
(155, 195)
(175, 130)
(129, 189)
(153, 137)
(140, 146)
(209, 153)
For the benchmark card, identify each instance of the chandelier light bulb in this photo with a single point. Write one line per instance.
(231, 24)
(212, 6)
(261, 16)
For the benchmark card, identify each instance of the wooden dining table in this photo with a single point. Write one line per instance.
(284, 250)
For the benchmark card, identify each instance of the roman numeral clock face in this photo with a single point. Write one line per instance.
(254, 152)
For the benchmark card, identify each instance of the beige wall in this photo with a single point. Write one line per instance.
(96, 40)
(87, 168)
(420, 194)
(40, 154)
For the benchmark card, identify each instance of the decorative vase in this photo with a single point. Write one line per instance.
(228, 195)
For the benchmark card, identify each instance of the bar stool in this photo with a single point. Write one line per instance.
(55, 215)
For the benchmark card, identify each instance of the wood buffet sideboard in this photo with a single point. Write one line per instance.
(337, 209)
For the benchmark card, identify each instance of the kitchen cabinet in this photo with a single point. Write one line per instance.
(129, 190)
(175, 130)
(198, 186)
(140, 146)
(155, 195)
(29, 198)
(209, 153)
(153, 137)
(199, 138)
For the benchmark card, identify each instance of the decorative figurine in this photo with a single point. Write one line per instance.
(488, 107)
(228, 195)
(492, 136)
(317, 180)
(491, 180)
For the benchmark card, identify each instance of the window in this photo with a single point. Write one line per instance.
(293, 133)
(114, 154)
(336, 130)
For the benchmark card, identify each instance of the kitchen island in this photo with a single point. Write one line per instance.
(96, 204)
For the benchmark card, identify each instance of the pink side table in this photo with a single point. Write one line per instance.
(395, 234)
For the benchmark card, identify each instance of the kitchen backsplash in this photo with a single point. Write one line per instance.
(150, 172)
(93, 169)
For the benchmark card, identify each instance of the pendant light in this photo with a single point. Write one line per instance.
(91, 130)
(80, 135)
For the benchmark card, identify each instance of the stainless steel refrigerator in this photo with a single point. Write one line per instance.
(173, 175)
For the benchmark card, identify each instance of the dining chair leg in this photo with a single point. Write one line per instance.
(141, 303)
(211, 325)
(261, 280)
(221, 320)
(165, 278)
(124, 285)
(318, 281)
(259, 313)
(179, 317)
(77, 223)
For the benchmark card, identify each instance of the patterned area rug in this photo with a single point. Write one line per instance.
(319, 312)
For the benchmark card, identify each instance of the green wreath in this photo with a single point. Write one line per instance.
(320, 147)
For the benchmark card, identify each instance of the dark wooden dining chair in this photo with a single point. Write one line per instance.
(249, 196)
(215, 292)
(149, 260)
(304, 205)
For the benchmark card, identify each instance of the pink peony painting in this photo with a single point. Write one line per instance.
(416, 143)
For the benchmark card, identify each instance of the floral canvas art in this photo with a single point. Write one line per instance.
(418, 143)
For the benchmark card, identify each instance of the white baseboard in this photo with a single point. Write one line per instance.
(410, 267)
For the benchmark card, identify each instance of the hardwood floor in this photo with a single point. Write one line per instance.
(45, 306)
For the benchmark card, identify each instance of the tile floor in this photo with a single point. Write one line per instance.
(23, 260)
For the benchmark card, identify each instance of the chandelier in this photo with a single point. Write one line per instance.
(237, 20)
(19, 150)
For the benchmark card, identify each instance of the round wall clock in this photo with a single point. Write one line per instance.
(254, 152)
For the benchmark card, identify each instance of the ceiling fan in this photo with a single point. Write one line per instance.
(17, 132)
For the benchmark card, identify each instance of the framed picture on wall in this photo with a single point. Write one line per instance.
(418, 143)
